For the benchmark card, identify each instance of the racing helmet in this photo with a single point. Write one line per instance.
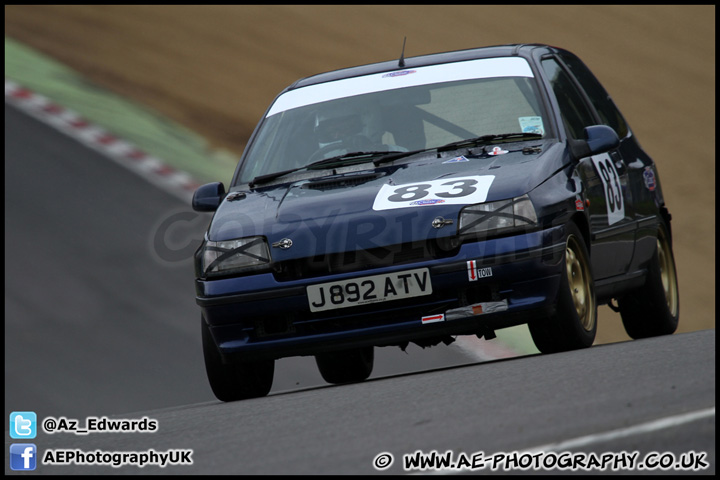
(331, 127)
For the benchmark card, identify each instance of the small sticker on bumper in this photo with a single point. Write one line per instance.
(433, 318)
(475, 273)
(482, 308)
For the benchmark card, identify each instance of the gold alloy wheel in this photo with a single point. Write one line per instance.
(667, 273)
(578, 273)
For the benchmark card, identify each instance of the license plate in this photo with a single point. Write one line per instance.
(372, 289)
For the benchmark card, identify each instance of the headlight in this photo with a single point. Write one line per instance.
(222, 257)
(498, 217)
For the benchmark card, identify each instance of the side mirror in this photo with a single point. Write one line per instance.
(601, 138)
(598, 139)
(207, 198)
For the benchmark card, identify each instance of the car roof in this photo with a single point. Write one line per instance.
(522, 50)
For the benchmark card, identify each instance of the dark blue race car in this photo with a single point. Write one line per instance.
(421, 199)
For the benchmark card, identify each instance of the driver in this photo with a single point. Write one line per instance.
(341, 132)
(343, 128)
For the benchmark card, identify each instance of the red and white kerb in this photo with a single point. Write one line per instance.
(174, 181)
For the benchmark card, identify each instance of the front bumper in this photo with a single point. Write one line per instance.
(259, 317)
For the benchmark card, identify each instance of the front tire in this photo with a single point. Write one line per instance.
(347, 366)
(574, 324)
(654, 309)
(235, 381)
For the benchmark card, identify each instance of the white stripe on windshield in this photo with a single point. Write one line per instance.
(411, 77)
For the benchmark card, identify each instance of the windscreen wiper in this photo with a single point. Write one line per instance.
(489, 139)
(391, 156)
(320, 164)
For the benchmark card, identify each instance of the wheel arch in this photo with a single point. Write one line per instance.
(583, 225)
(665, 215)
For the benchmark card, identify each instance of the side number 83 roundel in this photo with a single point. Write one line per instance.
(611, 186)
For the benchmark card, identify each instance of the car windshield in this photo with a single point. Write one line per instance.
(408, 110)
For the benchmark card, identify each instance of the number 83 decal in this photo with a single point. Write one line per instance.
(612, 188)
(461, 190)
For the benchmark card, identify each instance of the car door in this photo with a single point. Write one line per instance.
(604, 177)
(643, 187)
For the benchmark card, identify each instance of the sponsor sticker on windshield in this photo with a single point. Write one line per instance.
(531, 125)
(398, 74)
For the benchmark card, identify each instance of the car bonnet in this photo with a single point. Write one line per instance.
(363, 207)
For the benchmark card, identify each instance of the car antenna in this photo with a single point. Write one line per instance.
(401, 62)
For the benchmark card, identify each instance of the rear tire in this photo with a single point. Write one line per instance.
(574, 324)
(235, 381)
(654, 309)
(346, 366)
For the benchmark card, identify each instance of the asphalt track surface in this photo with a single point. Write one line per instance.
(100, 322)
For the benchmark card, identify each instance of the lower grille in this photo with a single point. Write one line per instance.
(360, 260)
